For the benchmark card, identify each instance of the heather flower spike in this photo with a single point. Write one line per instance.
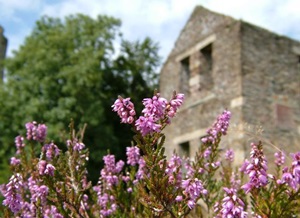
(232, 205)
(157, 112)
(125, 109)
(256, 169)
(219, 127)
(36, 131)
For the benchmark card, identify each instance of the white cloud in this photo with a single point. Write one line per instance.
(10, 8)
(163, 20)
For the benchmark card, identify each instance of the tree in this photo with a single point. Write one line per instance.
(69, 69)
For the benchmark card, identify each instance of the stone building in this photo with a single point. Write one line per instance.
(3, 46)
(222, 63)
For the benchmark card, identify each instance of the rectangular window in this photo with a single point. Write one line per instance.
(185, 75)
(206, 65)
(206, 61)
(184, 149)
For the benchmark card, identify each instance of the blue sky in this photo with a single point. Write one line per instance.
(162, 20)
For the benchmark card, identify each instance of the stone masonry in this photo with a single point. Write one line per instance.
(3, 46)
(222, 63)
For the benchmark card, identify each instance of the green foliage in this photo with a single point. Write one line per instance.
(69, 69)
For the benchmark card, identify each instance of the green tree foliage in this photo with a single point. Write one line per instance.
(69, 69)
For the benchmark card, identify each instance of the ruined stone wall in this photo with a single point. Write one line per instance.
(210, 91)
(271, 87)
(254, 73)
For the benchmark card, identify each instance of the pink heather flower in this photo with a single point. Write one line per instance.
(296, 167)
(141, 173)
(229, 155)
(179, 198)
(147, 125)
(125, 109)
(174, 104)
(75, 144)
(78, 146)
(38, 193)
(133, 155)
(256, 169)
(193, 188)
(244, 166)
(216, 164)
(19, 142)
(36, 132)
(45, 168)
(14, 161)
(191, 204)
(105, 201)
(52, 212)
(220, 127)
(173, 170)
(207, 152)
(279, 158)
(51, 150)
(110, 164)
(154, 107)
(190, 171)
(232, 205)
(111, 169)
(234, 181)
(291, 176)
(12, 193)
(288, 178)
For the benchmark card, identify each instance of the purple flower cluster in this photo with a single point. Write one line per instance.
(153, 112)
(106, 202)
(291, 176)
(109, 177)
(51, 150)
(256, 169)
(232, 205)
(14, 161)
(190, 170)
(235, 182)
(173, 170)
(229, 155)
(125, 109)
(52, 212)
(279, 158)
(192, 189)
(19, 142)
(111, 169)
(36, 131)
(156, 109)
(46, 168)
(12, 193)
(133, 155)
(219, 127)
(174, 104)
(141, 173)
(75, 144)
(38, 193)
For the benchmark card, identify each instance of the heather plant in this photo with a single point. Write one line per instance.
(49, 182)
